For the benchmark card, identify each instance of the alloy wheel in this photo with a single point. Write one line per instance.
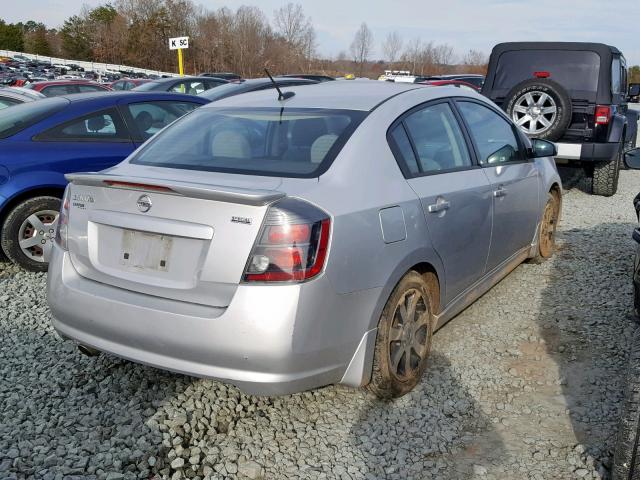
(409, 335)
(535, 112)
(548, 228)
(36, 235)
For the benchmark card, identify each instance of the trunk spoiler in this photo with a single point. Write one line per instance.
(220, 193)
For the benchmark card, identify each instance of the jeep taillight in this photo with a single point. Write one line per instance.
(603, 114)
(63, 220)
(292, 244)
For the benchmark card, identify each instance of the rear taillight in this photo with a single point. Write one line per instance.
(603, 114)
(541, 74)
(63, 220)
(292, 244)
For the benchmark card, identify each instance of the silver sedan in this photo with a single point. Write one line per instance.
(282, 242)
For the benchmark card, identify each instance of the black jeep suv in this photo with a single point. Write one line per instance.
(574, 94)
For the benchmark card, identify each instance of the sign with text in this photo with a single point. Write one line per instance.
(178, 43)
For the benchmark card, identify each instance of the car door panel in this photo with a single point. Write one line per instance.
(515, 205)
(458, 210)
(455, 194)
(513, 178)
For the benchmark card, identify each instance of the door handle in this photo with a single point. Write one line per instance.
(439, 206)
(500, 192)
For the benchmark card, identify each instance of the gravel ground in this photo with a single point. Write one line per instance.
(524, 384)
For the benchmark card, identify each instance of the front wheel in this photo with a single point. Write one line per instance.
(404, 336)
(548, 228)
(626, 461)
(28, 232)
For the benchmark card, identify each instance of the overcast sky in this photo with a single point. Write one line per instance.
(464, 24)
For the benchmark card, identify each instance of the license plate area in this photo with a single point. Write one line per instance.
(145, 251)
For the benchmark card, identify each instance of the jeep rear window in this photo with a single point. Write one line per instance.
(263, 141)
(574, 70)
(19, 117)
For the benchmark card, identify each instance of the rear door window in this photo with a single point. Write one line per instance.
(266, 141)
(104, 126)
(55, 90)
(151, 117)
(437, 139)
(89, 88)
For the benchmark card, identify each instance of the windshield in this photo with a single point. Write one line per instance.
(263, 141)
(19, 117)
(226, 90)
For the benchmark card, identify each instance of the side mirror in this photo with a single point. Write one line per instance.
(543, 148)
(632, 159)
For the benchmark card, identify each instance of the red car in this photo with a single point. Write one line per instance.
(128, 83)
(54, 88)
(455, 83)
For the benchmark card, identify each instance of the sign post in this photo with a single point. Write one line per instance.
(178, 43)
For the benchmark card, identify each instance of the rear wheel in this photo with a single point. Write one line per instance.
(626, 461)
(404, 336)
(28, 232)
(548, 227)
(606, 175)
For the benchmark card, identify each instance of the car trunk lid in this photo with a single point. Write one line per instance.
(175, 239)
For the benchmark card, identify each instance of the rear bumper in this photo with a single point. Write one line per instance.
(587, 152)
(271, 340)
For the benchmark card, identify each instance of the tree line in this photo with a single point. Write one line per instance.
(244, 41)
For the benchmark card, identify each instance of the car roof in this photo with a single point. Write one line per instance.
(118, 95)
(68, 81)
(600, 48)
(354, 95)
(173, 79)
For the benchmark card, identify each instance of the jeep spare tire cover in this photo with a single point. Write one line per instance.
(540, 107)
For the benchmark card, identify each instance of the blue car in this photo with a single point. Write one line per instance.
(41, 141)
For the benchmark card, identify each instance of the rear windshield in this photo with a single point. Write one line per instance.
(574, 70)
(19, 117)
(272, 142)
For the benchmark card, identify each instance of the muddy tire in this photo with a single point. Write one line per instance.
(28, 232)
(548, 226)
(606, 175)
(626, 461)
(540, 107)
(404, 336)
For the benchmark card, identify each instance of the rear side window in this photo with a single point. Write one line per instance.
(494, 137)
(404, 150)
(20, 117)
(151, 117)
(616, 79)
(103, 126)
(190, 88)
(574, 70)
(274, 142)
(55, 90)
(89, 88)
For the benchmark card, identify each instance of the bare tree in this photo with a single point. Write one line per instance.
(392, 47)
(443, 56)
(291, 22)
(361, 46)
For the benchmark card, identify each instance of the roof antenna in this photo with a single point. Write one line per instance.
(281, 95)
